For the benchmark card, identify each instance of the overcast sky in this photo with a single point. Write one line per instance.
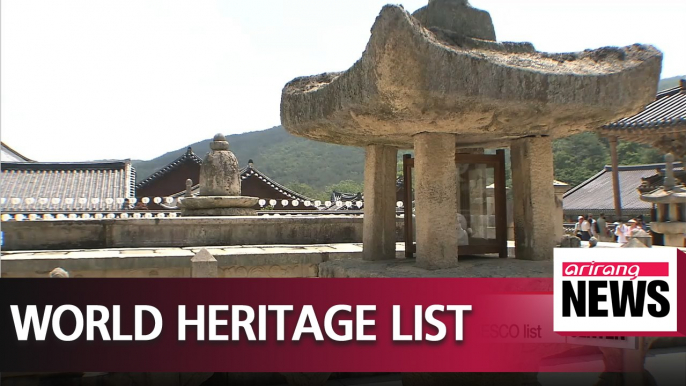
(84, 80)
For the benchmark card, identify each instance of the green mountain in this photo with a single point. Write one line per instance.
(670, 82)
(285, 158)
(315, 168)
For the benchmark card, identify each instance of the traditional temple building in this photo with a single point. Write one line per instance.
(170, 179)
(65, 187)
(255, 183)
(359, 197)
(662, 124)
(596, 196)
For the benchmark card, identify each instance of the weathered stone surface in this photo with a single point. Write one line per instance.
(184, 232)
(671, 204)
(220, 173)
(411, 80)
(533, 198)
(458, 17)
(218, 212)
(203, 264)
(237, 261)
(207, 202)
(570, 242)
(558, 215)
(435, 203)
(634, 243)
(220, 186)
(379, 202)
(468, 267)
(644, 237)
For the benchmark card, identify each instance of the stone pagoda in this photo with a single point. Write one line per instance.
(670, 201)
(220, 186)
(437, 81)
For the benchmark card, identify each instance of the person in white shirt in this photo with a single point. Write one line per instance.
(622, 231)
(583, 229)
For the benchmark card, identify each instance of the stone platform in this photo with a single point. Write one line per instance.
(468, 266)
(233, 261)
(311, 260)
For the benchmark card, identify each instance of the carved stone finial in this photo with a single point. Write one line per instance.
(189, 188)
(457, 16)
(219, 143)
(219, 172)
(669, 172)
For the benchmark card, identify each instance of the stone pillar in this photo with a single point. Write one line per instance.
(435, 203)
(533, 198)
(615, 179)
(378, 236)
(674, 240)
(203, 264)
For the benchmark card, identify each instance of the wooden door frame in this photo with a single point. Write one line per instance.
(497, 161)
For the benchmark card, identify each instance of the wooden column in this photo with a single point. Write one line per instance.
(408, 163)
(501, 204)
(615, 178)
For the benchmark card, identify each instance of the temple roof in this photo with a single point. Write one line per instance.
(7, 154)
(64, 186)
(596, 193)
(667, 111)
(250, 171)
(188, 156)
(656, 181)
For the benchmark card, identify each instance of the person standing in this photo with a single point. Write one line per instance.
(640, 223)
(583, 229)
(577, 226)
(603, 234)
(594, 226)
(622, 231)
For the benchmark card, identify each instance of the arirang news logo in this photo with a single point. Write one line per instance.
(620, 291)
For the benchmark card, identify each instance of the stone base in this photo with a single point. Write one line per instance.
(211, 202)
(469, 267)
(218, 212)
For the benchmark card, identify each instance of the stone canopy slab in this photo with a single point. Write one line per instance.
(427, 73)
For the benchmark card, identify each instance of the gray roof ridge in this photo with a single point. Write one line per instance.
(188, 154)
(15, 153)
(85, 165)
(581, 185)
(276, 184)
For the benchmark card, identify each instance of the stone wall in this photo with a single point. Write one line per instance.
(183, 232)
(170, 262)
